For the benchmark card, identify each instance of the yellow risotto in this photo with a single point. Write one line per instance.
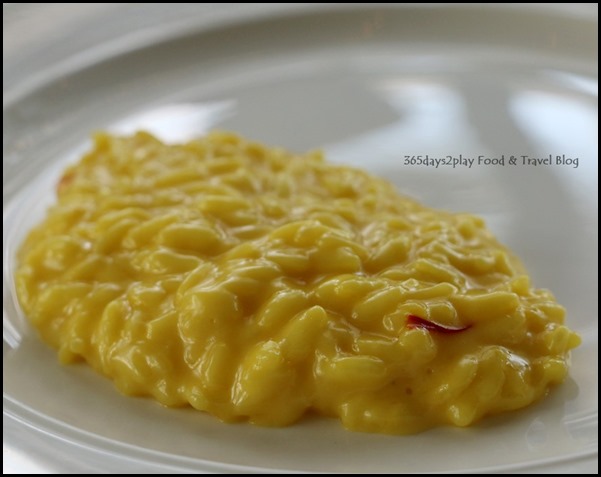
(256, 284)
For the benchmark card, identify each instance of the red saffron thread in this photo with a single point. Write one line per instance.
(417, 322)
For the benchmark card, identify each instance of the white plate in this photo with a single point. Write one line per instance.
(371, 84)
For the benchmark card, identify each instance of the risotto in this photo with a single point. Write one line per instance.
(256, 284)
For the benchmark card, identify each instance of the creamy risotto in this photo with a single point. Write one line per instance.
(259, 285)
